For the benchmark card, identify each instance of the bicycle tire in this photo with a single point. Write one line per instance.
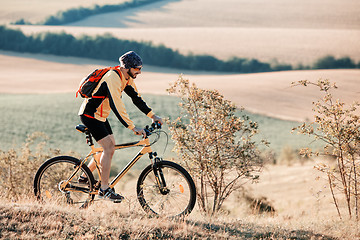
(57, 170)
(178, 202)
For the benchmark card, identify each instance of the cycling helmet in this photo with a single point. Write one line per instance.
(130, 60)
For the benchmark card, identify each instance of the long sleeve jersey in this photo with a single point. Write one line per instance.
(107, 97)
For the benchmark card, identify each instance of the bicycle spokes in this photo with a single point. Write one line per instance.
(168, 191)
(51, 182)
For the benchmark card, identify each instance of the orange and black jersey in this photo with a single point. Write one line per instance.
(107, 96)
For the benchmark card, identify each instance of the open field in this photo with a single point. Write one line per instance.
(294, 33)
(56, 116)
(201, 13)
(292, 46)
(38, 10)
(269, 94)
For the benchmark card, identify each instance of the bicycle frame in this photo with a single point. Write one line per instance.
(145, 142)
(146, 149)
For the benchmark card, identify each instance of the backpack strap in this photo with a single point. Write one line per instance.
(117, 70)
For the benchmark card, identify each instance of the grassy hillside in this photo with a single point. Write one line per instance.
(203, 13)
(303, 206)
(278, 31)
(38, 10)
(301, 213)
(34, 221)
(56, 115)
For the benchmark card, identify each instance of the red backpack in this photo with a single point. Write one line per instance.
(88, 84)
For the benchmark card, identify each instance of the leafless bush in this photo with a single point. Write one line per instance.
(18, 167)
(337, 125)
(217, 146)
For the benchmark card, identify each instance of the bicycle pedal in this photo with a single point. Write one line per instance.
(97, 185)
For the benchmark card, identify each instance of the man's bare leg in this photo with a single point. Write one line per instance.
(92, 165)
(108, 144)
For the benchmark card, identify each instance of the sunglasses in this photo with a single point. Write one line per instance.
(138, 68)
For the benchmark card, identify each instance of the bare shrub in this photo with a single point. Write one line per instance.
(259, 205)
(18, 167)
(288, 156)
(269, 156)
(337, 125)
(216, 145)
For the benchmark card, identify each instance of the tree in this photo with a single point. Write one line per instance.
(337, 125)
(329, 62)
(216, 145)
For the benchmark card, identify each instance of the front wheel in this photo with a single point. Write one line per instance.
(166, 189)
(57, 181)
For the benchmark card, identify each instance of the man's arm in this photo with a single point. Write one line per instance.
(116, 103)
(132, 92)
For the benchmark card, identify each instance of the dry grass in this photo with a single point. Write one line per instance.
(302, 204)
(29, 219)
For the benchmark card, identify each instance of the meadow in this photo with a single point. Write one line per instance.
(56, 116)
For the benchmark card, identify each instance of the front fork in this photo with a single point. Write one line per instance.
(159, 175)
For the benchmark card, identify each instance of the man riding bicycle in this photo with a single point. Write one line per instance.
(95, 110)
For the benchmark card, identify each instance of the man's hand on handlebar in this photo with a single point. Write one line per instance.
(139, 131)
(157, 119)
(157, 122)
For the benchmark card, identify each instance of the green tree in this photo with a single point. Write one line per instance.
(216, 145)
(329, 62)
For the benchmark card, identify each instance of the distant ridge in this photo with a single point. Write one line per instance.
(80, 13)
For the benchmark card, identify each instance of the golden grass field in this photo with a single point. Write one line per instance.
(303, 211)
(288, 31)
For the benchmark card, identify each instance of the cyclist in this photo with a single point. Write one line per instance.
(95, 110)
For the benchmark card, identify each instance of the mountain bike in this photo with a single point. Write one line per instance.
(163, 188)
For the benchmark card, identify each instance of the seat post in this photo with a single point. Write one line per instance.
(85, 130)
(89, 139)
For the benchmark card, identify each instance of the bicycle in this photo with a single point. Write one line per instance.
(163, 188)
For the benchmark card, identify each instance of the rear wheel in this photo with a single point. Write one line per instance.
(174, 197)
(50, 182)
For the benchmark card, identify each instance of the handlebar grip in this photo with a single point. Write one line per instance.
(147, 131)
(156, 125)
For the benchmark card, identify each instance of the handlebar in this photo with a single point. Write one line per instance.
(148, 130)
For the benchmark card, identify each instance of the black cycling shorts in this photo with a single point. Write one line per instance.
(98, 129)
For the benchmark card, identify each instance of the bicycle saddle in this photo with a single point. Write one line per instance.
(81, 128)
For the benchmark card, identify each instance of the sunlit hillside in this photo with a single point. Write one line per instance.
(203, 13)
(299, 32)
(270, 94)
(12, 11)
(293, 32)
